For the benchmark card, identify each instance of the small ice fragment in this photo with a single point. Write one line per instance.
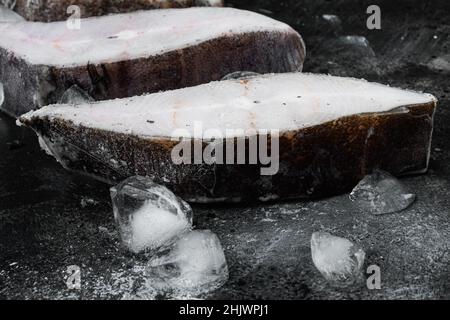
(9, 16)
(333, 19)
(240, 75)
(358, 41)
(2, 94)
(195, 264)
(44, 146)
(150, 216)
(440, 63)
(337, 259)
(208, 3)
(381, 193)
(86, 201)
(355, 40)
(265, 11)
(75, 95)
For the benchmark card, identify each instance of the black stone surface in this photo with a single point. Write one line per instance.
(51, 218)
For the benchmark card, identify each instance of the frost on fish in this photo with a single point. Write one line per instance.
(150, 217)
(328, 140)
(130, 54)
(381, 193)
(57, 10)
(337, 259)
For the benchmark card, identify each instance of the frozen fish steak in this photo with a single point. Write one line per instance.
(315, 136)
(131, 54)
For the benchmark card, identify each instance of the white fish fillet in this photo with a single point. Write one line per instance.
(332, 132)
(283, 102)
(128, 36)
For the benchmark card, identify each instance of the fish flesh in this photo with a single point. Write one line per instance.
(329, 132)
(58, 10)
(130, 54)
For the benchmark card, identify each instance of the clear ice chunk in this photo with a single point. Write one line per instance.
(150, 217)
(240, 75)
(333, 19)
(208, 3)
(194, 265)
(355, 40)
(337, 259)
(75, 95)
(9, 16)
(440, 63)
(358, 43)
(381, 193)
(2, 94)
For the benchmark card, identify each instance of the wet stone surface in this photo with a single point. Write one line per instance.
(46, 223)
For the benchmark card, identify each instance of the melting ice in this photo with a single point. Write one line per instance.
(337, 259)
(381, 193)
(150, 216)
(9, 16)
(75, 95)
(195, 264)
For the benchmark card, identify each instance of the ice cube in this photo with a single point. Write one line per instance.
(208, 3)
(150, 216)
(9, 16)
(381, 193)
(240, 75)
(195, 264)
(75, 95)
(337, 259)
(355, 40)
(2, 94)
(333, 19)
(440, 63)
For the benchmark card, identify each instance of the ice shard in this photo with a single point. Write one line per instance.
(337, 259)
(75, 95)
(58, 10)
(2, 94)
(131, 54)
(325, 134)
(195, 264)
(381, 193)
(9, 16)
(150, 217)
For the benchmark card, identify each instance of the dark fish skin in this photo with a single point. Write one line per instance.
(28, 87)
(315, 162)
(56, 10)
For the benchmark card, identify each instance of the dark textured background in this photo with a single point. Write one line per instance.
(46, 224)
